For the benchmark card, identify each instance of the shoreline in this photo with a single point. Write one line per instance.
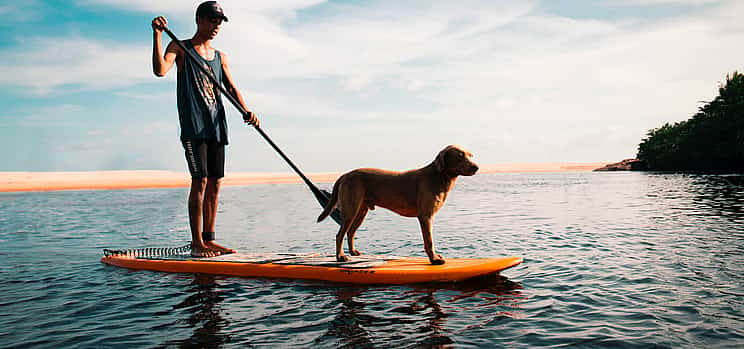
(145, 179)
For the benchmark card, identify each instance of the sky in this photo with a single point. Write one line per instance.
(346, 84)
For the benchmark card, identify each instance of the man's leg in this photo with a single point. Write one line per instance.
(215, 170)
(196, 156)
(196, 207)
(211, 201)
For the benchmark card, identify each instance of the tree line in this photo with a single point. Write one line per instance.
(712, 140)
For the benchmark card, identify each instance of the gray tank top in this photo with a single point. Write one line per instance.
(200, 109)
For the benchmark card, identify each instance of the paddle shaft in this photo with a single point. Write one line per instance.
(320, 195)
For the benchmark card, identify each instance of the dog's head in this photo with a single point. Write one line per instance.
(455, 161)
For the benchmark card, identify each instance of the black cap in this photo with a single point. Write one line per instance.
(210, 9)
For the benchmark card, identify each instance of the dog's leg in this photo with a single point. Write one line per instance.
(351, 200)
(425, 222)
(340, 257)
(352, 231)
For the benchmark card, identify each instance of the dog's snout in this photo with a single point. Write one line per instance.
(472, 169)
(469, 169)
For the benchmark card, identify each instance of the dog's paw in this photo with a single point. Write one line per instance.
(437, 260)
(342, 258)
(355, 252)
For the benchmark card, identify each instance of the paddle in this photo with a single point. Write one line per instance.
(322, 196)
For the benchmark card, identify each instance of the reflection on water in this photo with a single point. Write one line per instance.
(414, 318)
(720, 196)
(203, 315)
(348, 324)
(611, 260)
(703, 195)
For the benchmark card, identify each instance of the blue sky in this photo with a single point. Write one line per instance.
(346, 84)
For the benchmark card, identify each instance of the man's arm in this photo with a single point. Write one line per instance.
(227, 80)
(161, 64)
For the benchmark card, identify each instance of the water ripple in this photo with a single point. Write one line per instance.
(611, 260)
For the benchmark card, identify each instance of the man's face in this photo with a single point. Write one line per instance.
(209, 26)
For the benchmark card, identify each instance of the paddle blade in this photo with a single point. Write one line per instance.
(323, 197)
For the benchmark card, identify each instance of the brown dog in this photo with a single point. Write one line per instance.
(416, 193)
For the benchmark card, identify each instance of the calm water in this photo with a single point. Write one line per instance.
(611, 260)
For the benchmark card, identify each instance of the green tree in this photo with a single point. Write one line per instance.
(712, 140)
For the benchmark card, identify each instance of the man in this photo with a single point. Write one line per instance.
(202, 118)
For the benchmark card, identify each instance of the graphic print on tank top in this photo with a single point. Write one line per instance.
(206, 87)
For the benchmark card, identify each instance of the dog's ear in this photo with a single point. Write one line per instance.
(439, 162)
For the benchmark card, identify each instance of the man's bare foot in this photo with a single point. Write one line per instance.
(437, 260)
(219, 248)
(203, 251)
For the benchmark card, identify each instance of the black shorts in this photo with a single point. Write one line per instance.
(205, 158)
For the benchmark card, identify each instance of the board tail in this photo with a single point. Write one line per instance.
(332, 202)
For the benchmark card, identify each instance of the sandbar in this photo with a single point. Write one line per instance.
(142, 179)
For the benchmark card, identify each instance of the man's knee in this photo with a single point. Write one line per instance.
(213, 186)
(198, 184)
(213, 183)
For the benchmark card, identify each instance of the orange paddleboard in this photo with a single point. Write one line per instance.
(360, 270)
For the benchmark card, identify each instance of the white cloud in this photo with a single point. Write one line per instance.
(21, 11)
(31, 115)
(663, 2)
(586, 89)
(502, 75)
(162, 97)
(272, 7)
(45, 64)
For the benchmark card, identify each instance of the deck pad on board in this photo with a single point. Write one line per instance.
(310, 259)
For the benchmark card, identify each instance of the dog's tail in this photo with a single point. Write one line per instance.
(331, 203)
